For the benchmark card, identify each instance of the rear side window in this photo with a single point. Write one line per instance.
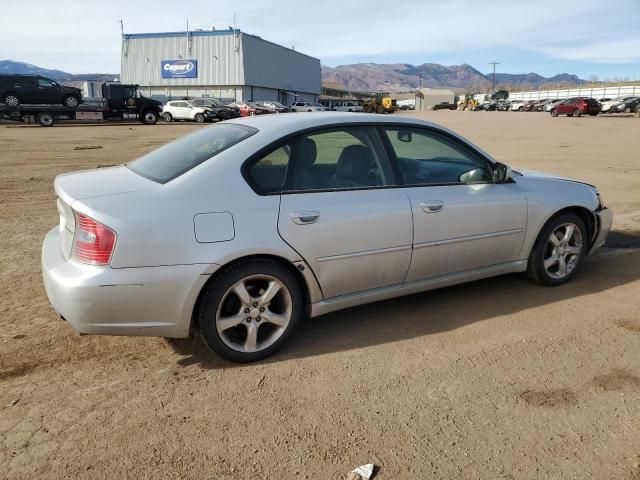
(181, 155)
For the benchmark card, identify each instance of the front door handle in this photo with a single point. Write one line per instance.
(305, 217)
(432, 206)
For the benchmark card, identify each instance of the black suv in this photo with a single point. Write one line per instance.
(34, 89)
(219, 109)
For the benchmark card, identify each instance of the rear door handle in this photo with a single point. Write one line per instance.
(305, 217)
(432, 206)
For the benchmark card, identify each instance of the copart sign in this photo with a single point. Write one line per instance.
(179, 68)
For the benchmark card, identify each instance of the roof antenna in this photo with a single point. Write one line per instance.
(121, 27)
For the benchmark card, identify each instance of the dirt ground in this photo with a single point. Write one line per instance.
(499, 379)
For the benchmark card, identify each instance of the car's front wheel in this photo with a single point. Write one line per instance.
(70, 101)
(250, 310)
(167, 117)
(577, 112)
(554, 113)
(559, 250)
(199, 118)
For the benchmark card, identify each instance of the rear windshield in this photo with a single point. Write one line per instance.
(181, 155)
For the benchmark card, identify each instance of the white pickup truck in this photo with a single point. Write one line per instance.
(347, 107)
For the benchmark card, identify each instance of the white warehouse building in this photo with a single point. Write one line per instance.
(226, 64)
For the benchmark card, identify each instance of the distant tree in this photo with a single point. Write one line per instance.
(594, 78)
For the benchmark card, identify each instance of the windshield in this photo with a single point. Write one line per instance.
(181, 155)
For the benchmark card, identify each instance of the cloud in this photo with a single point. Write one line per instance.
(85, 36)
(617, 51)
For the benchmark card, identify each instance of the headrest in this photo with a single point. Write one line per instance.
(355, 162)
(304, 151)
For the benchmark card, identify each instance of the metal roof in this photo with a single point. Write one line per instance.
(193, 33)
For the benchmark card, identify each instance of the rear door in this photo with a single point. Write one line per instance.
(341, 211)
(462, 219)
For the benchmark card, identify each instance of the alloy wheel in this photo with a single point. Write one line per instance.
(254, 313)
(11, 101)
(563, 250)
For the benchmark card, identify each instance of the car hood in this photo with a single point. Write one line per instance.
(67, 89)
(547, 176)
(99, 182)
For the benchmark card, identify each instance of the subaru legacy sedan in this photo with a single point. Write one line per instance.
(244, 228)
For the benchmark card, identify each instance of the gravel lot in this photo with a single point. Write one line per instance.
(499, 379)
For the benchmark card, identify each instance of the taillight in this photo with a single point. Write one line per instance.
(93, 242)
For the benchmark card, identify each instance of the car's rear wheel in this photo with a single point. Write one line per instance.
(223, 115)
(559, 250)
(167, 117)
(554, 113)
(577, 112)
(250, 310)
(199, 118)
(11, 100)
(70, 101)
(627, 110)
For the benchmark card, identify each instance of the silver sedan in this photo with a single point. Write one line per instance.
(244, 228)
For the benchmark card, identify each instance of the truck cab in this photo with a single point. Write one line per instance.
(126, 98)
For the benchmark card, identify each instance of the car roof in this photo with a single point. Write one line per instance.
(278, 126)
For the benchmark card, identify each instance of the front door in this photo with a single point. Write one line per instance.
(462, 219)
(48, 91)
(341, 212)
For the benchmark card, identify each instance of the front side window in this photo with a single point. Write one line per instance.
(179, 156)
(343, 158)
(427, 157)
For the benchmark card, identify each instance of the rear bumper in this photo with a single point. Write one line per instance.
(154, 301)
(605, 220)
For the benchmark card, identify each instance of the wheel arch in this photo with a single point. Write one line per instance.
(301, 271)
(586, 215)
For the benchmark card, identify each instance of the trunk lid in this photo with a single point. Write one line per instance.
(101, 182)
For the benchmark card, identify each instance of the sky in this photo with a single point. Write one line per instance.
(586, 37)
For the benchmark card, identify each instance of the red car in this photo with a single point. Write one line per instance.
(245, 110)
(574, 107)
(528, 106)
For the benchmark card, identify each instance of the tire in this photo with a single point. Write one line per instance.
(627, 110)
(520, 109)
(380, 109)
(225, 320)
(46, 119)
(149, 117)
(554, 113)
(70, 101)
(167, 117)
(577, 112)
(223, 116)
(199, 118)
(572, 252)
(11, 100)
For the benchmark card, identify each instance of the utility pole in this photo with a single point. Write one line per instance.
(494, 63)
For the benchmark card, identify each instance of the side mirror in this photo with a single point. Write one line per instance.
(502, 173)
(405, 136)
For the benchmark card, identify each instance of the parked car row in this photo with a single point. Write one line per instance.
(575, 106)
(209, 109)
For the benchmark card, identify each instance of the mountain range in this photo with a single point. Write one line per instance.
(391, 77)
(12, 66)
(397, 77)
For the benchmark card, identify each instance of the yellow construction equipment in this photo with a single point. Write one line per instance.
(380, 104)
